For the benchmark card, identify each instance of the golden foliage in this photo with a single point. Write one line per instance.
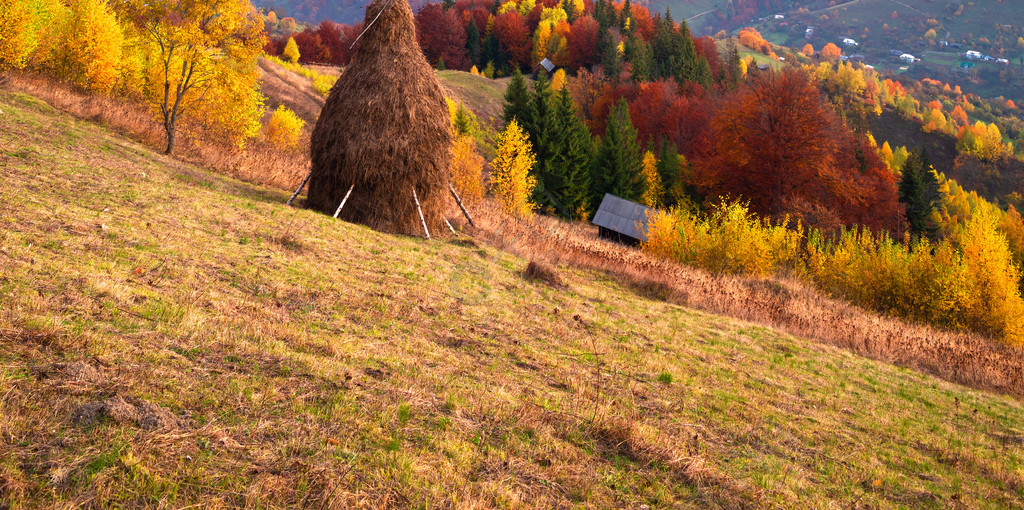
(89, 52)
(467, 169)
(284, 128)
(729, 239)
(291, 51)
(511, 181)
(654, 190)
(558, 80)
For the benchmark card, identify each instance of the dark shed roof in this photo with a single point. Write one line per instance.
(622, 216)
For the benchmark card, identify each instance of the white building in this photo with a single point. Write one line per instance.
(973, 54)
(908, 58)
(850, 42)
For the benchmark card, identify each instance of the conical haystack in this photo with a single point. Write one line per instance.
(385, 128)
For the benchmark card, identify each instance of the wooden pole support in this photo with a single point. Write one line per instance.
(303, 185)
(459, 201)
(414, 197)
(449, 226)
(342, 204)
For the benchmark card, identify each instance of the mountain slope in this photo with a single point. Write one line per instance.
(284, 358)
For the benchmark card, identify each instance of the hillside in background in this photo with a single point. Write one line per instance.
(173, 336)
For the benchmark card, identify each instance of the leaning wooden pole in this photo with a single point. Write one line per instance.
(303, 185)
(414, 197)
(459, 201)
(450, 227)
(342, 204)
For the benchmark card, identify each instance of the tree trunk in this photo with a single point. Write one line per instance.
(170, 138)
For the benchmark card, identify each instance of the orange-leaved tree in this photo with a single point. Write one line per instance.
(511, 181)
(203, 63)
(467, 169)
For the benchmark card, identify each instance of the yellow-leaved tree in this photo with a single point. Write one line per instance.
(652, 179)
(558, 80)
(24, 26)
(467, 169)
(291, 51)
(89, 50)
(203, 63)
(284, 128)
(511, 181)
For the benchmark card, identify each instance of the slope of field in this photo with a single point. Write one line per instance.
(170, 337)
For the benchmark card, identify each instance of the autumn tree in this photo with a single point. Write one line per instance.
(831, 52)
(558, 80)
(582, 43)
(652, 181)
(511, 181)
(23, 27)
(89, 52)
(513, 38)
(808, 50)
(204, 62)
(442, 36)
(778, 143)
(291, 51)
(618, 161)
(467, 169)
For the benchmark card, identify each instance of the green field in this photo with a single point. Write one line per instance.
(293, 360)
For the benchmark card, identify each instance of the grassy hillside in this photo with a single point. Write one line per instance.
(170, 336)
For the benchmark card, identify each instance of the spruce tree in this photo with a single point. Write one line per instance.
(517, 101)
(919, 192)
(610, 62)
(540, 128)
(638, 54)
(666, 49)
(616, 168)
(625, 19)
(669, 169)
(473, 42)
(566, 174)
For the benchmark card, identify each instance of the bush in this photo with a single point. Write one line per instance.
(728, 240)
(284, 128)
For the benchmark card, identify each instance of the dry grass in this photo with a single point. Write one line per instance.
(310, 362)
(784, 304)
(259, 162)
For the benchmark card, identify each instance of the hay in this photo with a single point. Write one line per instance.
(384, 128)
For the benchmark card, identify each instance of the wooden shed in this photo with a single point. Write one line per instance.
(622, 221)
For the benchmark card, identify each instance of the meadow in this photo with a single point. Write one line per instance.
(173, 336)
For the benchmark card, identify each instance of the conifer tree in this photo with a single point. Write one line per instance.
(625, 19)
(919, 192)
(617, 165)
(566, 174)
(669, 169)
(473, 42)
(517, 101)
(638, 54)
(539, 124)
(665, 48)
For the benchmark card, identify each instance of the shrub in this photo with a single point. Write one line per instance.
(284, 128)
(727, 240)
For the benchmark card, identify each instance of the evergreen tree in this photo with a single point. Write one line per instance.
(616, 168)
(669, 169)
(540, 128)
(638, 54)
(601, 15)
(610, 62)
(919, 192)
(473, 42)
(447, 4)
(693, 67)
(732, 67)
(566, 174)
(492, 53)
(666, 50)
(625, 19)
(517, 101)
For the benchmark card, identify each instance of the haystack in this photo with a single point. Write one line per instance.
(385, 129)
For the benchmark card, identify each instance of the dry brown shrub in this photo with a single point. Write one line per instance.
(544, 272)
(781, 303)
